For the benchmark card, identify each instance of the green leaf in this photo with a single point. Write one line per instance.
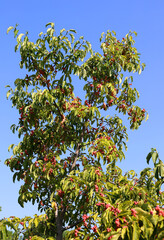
(19, 37)
(72, 30)
(11, 147)
(160, 235)
(20, 201)
(136, 231)
(154, 157)
(152, 219)
(50, 24)
(102, 35)
(135, 33)
(156, 171)
(14, 177)
(72, 37)
(84, 73)
(114, 33)
(95, 216)
(40, 34)
(123, 232)
(38, 238)
(36, 222)
(139, 71)
(147, 227)
(9, 29)
(16, 47)
(115, 236)
(15, 32)
(161, 169)
(148, 157)
(51, 197)
(63, 30)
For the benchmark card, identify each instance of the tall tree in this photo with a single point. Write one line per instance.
(67, 141)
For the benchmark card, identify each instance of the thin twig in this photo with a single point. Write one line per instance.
(72, 225)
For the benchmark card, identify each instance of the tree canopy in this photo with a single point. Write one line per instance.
(69, 145)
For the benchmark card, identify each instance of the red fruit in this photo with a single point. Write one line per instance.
(94, 228)
(98, 204)
(60, 193)
(117, 222)
(157, 208)
(85, 224)
(151, 212)
(42, 72)
(107, 206)
(104, 106)
(85, 217)
(98, 172)
(99, 86)
(26, 152)
(50, 171)
(32, 133)
(45, 159)
(102, 195)
(125, 221)
(96, 188)
(38, 77)
(76, 232)
(109, 229)
(110, 237)
(133, 212)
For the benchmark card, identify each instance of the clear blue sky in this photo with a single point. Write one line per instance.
(90, 19)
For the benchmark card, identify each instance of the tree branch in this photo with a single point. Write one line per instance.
(76, 155)
(58, 224)
(72, 225)
(78, 148)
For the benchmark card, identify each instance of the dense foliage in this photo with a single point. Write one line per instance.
(69, 145)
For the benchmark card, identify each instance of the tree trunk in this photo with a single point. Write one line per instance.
(59, 225)
(59, 233)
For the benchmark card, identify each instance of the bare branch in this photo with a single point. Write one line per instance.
(76, 155)
(73, 225)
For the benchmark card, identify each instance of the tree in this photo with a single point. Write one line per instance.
(67, 141)
(5, 233)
